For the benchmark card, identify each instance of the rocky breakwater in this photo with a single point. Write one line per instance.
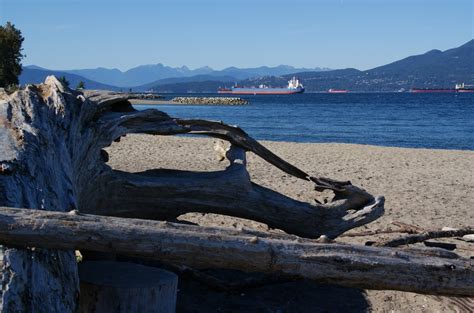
(210, 100)
(144, 96)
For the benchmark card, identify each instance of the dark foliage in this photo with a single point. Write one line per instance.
(11, 41)
(64, 81)
(81, 85)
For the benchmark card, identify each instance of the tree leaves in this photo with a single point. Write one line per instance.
(11, 49)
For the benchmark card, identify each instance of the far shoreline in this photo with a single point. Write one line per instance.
(153, 102)
(171, 102)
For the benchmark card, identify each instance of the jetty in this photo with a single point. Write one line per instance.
(210, 100)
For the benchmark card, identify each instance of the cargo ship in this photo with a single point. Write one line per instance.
(457, 88)
(294, 86)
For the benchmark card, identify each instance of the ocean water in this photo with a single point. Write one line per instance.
(440, 121)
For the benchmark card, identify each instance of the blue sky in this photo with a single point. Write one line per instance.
(66, 34)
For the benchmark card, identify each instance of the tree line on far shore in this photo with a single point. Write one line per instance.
(11, 54)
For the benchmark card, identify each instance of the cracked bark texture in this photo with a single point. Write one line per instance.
(428, 271)
(38, 127)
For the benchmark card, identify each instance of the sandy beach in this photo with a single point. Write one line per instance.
(427, 188)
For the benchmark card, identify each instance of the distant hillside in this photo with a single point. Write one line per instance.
(36, 75)
(208, 86)
(147, 74)
(245, 73)
(154, 86)
(458, 60)
(433, 69)
(324, 80)
(139, 75)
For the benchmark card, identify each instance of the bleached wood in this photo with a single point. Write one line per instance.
(38, 127)
(416, 270)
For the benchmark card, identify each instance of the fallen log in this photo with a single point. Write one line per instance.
(404, 228)
(203, 247)
(426, 235)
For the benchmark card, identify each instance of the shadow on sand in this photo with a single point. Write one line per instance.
(298, 296)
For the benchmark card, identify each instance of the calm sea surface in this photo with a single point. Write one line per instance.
(441, 121)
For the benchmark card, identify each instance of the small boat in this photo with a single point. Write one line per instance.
(332, 90)
(457, 88)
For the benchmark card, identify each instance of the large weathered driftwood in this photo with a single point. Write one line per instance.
(430, 271)
(166, 194)
(37, 131)
(51, 157)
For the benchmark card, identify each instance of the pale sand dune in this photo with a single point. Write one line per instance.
(427, 188)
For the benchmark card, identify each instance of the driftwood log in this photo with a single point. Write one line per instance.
(430, 271)
(166, 194)
(52, 157)
(421, 237)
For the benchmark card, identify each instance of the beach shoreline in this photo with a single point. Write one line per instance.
(428, 188)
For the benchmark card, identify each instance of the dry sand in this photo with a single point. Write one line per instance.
(426, 188)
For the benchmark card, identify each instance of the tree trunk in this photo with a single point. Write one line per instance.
(416, 270)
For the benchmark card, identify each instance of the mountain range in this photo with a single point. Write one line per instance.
(433, 69)
(155, 73)
(35, 75)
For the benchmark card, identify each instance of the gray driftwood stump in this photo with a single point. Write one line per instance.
(121, 287)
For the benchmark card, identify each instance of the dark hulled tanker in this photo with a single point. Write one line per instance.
(294, 86)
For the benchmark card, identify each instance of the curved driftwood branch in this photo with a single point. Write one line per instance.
(166, 194)
(51, 156)
(203, 247)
